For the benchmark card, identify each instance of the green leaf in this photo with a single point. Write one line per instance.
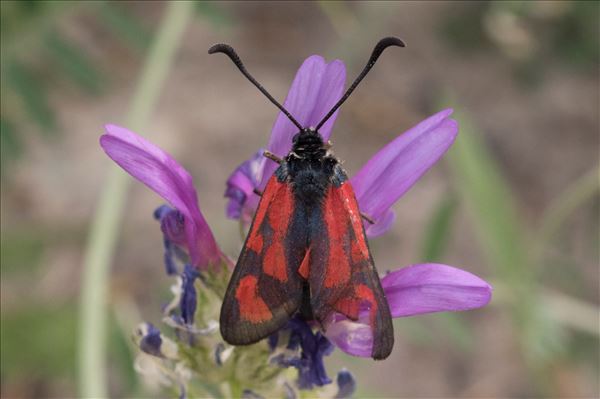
(125, 25)
(38, 341)
(491, 206)
(435, 242)
(74, 63)
(21, 251)
(32, 93)
(10, 145)
(214, 13)
(437, 231)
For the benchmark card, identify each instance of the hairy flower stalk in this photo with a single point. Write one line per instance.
(196, 361)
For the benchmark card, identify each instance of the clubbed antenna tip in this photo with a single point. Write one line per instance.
(230, 52)
(379, 48)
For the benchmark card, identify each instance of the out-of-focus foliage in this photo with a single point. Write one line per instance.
(41, 51)
(529, 33)
(35, 51)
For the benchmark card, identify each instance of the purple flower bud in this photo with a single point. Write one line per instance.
(250, 394)
(346, 384)
(189, 299)
(151, 340)
(171, 223)
(241, 185)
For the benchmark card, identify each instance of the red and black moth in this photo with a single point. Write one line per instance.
(306, 251)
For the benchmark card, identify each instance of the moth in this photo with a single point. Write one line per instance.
(306, 251)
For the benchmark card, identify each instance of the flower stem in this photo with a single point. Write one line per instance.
(105, 225)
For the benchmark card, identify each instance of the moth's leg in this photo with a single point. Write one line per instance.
(272, 157)
(368, 218)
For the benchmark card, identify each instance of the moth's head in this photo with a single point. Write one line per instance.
(307, 137)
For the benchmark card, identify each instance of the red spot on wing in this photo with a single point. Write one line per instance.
(336, 219)
(274, 261)
(360, 250)
(365, 294)
(251, 305)
(279, 215)
(255, 240)
(348, 307)
(304, 269)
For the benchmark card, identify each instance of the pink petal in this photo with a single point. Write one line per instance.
(354, 338)
(383, 224)
(432, 287)
(398, 165)
(240, 187)
(316, 88)
(161, 173)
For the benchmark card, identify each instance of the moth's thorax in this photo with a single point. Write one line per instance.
(309, 166)
(308, 144)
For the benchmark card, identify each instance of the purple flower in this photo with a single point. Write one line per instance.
(315, 90)
(397, 166)
(161, 173)
(410, 291)
(377, 185)
(318, 85)
(381, 181)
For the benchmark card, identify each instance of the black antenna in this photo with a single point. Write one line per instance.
(379, 47)
(230, 52)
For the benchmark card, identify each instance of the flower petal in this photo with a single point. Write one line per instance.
(189, 300)
(433, 287)
(240, 187)
(354, 338)
(398, 165)
(383, 224)
(316, 88)
(159, 171)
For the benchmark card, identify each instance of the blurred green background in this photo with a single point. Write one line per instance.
(515, 201)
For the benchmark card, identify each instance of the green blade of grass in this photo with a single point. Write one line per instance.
(434, 242)
(74, 63)
(10, 145)
(32, 94)
(437, 231)
(125, 25)
(492, 210)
